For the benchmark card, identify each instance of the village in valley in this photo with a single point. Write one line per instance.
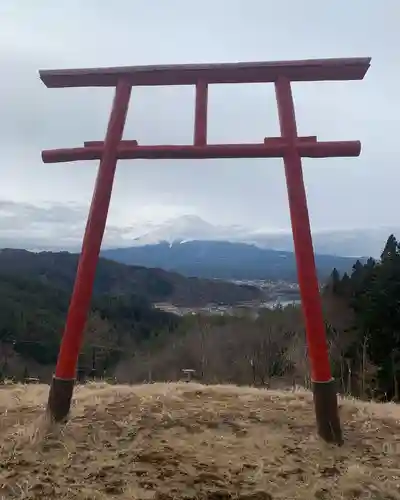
(276, 294)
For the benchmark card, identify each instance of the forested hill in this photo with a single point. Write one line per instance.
(35, 290)
(156, 285)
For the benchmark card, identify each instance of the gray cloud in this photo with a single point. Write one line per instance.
(342, 193)
(56, 226)
(50, 226)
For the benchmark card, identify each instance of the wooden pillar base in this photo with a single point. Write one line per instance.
(327, 412)
(60, 396)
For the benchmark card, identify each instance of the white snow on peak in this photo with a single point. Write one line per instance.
(177, 230)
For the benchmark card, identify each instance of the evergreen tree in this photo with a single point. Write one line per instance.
(391, 249)
(335, 281)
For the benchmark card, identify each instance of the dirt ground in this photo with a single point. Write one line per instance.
(187, 441)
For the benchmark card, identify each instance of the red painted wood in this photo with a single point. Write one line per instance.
(308, 282)
(190, 74)
(268, 150)
(280, 140)
(97, 144)
(82, 292)
(200, 114)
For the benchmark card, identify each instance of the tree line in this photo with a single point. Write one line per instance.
(371, 293)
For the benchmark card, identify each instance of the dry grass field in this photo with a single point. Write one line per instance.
(187, 441)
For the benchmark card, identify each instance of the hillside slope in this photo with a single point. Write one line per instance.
(224, 260)
(187, 441)
(156, 285)
(32, 318)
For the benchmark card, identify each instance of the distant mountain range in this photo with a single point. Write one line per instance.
(223, 260)
(193, 247)
(345, 243)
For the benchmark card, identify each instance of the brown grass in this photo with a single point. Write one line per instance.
(187, 441)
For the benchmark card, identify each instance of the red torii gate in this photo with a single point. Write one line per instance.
(289, 146)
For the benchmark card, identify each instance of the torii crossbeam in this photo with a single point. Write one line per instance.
(289, 146)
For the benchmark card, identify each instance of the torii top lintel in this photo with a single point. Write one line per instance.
(190, 74)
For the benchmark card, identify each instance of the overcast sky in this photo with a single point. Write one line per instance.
(52, 200)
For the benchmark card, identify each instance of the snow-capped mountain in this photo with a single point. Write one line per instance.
(224, 260)
(193, 247)
(349, 243)
(189, 228)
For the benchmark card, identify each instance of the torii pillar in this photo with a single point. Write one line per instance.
(289, 146)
